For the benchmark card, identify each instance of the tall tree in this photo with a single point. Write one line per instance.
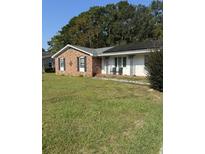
(157, 12)
(110, 25)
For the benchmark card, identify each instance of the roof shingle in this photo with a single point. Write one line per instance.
(136, 46)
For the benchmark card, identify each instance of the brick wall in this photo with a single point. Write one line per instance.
(97, 65)
(70, 56)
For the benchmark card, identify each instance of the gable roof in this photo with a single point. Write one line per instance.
(135, 46)
(79, 48)
(89, 51)
(93, 51)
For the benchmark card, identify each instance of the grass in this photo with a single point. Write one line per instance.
(82, 115)
(130, 78)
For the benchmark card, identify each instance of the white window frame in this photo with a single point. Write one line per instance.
(62, 68)
(82, 67)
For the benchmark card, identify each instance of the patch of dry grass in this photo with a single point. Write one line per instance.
(82, 115)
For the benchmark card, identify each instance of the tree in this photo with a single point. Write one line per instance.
(154, 67)
(157, 12)
(110, 25)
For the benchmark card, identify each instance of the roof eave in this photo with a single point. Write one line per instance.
(68, 45)
(125, 52)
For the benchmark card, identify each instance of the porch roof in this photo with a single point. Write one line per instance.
(135, 46)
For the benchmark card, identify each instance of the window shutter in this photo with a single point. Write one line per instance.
(85, 63)
(64, 63)
(59, 64)
(115, 61)
(77, 63)
(124, 61)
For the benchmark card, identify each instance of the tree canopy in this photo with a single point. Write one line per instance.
(110, 25)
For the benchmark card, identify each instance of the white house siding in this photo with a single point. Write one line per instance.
(139, 69)
(103, 71)
(102, 66)
(138, 65)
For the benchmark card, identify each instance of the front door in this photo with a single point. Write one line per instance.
(82, 64)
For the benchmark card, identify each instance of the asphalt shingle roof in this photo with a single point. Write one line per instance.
(93, 51)
(100, 50)
(119, 48)
(89, 50)
(135, 46)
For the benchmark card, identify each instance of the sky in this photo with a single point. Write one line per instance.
(57, 13)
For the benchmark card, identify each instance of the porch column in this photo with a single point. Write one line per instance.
(107, 65)
(131, 65)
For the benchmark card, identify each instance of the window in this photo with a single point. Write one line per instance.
(82, 62)
(124, 61)
(50, 65)
(119, 61)
(62, 64)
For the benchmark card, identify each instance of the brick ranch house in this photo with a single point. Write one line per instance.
(127, 59)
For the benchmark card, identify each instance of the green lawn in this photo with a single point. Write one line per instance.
(130, 78)
(82, 115)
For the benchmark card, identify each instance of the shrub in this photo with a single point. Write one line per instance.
(49, 70)
(154, 67)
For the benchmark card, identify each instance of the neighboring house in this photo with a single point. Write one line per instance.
(47, 62)
(127, 59)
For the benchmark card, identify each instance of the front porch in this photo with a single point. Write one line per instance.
(129, 65)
